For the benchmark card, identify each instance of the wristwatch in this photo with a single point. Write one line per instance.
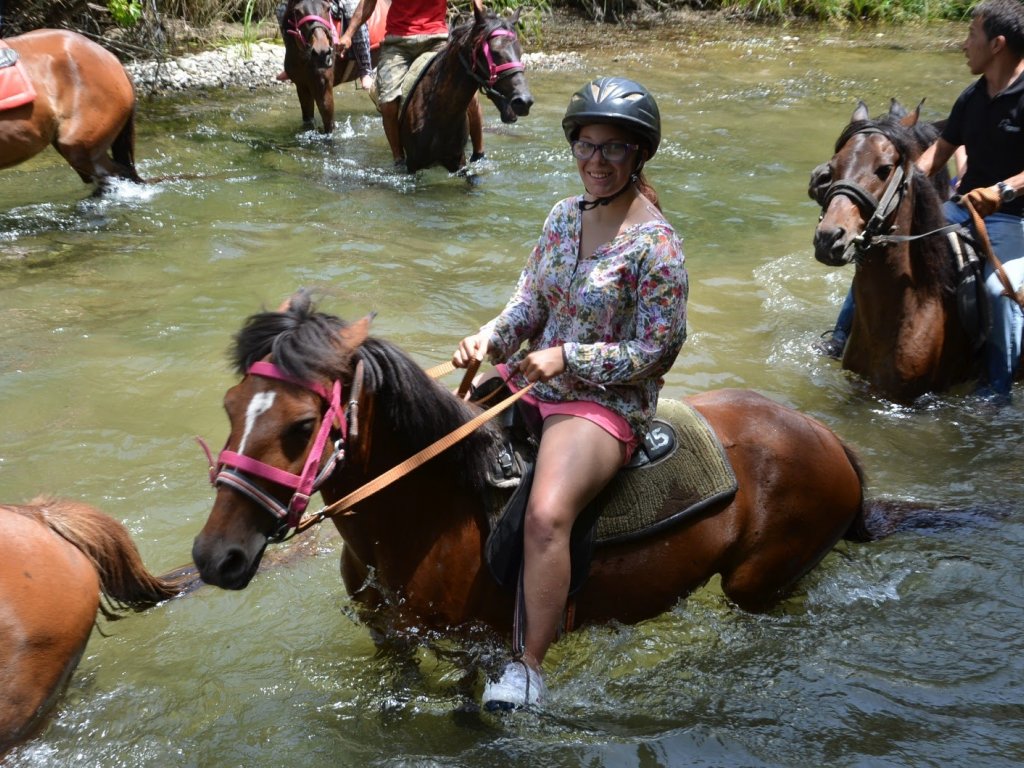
(1006, 192)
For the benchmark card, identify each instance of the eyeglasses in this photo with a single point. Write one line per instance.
(612, 151)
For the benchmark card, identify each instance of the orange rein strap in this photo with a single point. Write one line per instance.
(345, 505)
(997, 265)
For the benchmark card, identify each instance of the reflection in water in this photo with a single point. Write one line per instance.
(115, 315)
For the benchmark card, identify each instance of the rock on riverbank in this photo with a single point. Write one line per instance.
(255, 66)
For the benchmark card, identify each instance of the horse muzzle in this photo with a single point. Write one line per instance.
(225, 565)
(832, 246)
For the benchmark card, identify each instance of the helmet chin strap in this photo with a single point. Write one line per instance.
(587, 205)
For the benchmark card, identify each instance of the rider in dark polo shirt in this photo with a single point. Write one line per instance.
(988, 119)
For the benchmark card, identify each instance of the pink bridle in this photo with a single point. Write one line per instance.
(496, 72)
(319, 21)
(234, 469)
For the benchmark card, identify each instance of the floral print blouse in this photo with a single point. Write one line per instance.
(620, 314)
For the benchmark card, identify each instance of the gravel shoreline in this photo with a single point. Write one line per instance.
(254, 67)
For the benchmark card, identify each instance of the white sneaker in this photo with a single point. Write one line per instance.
(519, 686)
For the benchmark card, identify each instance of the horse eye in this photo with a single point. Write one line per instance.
(883, 172)
(301, 430)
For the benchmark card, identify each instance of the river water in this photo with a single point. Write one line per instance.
(115, 315)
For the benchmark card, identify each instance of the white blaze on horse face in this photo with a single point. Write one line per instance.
(260, 404)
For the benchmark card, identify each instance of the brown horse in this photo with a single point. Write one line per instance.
(413, 552)
(310, 33)
(879, 212)
(56, 559)
(483, 55)
(84, 107)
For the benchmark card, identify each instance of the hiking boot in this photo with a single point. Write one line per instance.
(519, 686)
(830, 346)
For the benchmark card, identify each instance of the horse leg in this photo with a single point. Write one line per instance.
(325, 102)
(306, 105)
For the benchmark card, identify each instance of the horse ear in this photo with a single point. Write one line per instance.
(896, 110)
(515, 16)
(860, 113)
(478, 11)
(354, 334)
(912, 117)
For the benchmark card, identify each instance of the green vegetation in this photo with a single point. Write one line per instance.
(153, 27)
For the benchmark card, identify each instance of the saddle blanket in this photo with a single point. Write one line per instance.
(683, 472)
(15, 88)
(640, 501)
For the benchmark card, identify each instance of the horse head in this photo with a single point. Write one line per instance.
(311, 24)
(287, 435)
(862, 187)
(495, 62)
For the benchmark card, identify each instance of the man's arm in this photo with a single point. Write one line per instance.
(362, 12)
(935, 157)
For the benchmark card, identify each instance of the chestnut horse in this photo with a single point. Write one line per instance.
(323, 406)
(84, 107)
(57, 558)
(310, 33)
(881, 213)
(482, 55)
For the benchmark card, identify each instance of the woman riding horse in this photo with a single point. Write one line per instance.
(601, 306)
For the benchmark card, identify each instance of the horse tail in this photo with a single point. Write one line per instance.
(123, 148)
(124, 579)
(879, 518)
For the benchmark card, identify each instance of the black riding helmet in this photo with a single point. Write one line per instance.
(616, 101)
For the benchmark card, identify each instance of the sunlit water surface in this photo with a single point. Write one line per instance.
(115, 315)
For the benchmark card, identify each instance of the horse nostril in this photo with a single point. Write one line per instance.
(521, 105)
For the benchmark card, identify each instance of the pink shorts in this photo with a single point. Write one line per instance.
(607, 419)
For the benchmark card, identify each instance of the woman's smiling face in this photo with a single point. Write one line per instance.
(601, 177)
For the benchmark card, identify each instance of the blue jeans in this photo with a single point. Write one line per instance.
(1003, 348)
(844, 322)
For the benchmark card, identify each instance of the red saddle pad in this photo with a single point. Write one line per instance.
(15, 87)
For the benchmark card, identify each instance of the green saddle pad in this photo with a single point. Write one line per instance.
(697, 474)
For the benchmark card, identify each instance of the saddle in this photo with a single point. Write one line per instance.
(412, 78)
(971, 297)
(678, 472)
(15, 88)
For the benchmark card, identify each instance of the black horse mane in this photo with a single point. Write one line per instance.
(309, 345)
(929, 194)
(463, 34)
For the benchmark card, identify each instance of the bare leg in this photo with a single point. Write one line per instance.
(476, 128)
(575, 461)
(389, 115)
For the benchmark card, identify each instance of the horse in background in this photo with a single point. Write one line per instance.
(83, 104)
(57, 558)
(310, 31)
(482, 55)
(882, 214)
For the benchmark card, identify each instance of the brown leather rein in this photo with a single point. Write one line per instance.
(997, 265)
(346, 505)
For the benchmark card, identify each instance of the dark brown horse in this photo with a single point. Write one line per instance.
(322, 406)
(907, 337)
(310, 33)
(57, 558)
(484, 55)
(84, 107)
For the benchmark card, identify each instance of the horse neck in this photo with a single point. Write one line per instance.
(906, 332)
(450, 77)
(394, 528)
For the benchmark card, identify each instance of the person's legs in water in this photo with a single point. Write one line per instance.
(576, 459)
(1003, 347)
(476, 129)
(832, 343)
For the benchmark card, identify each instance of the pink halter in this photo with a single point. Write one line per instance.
(496, 72)
(318, 21)
(234, 469)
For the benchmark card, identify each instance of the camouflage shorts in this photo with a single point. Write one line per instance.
(396, 56)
